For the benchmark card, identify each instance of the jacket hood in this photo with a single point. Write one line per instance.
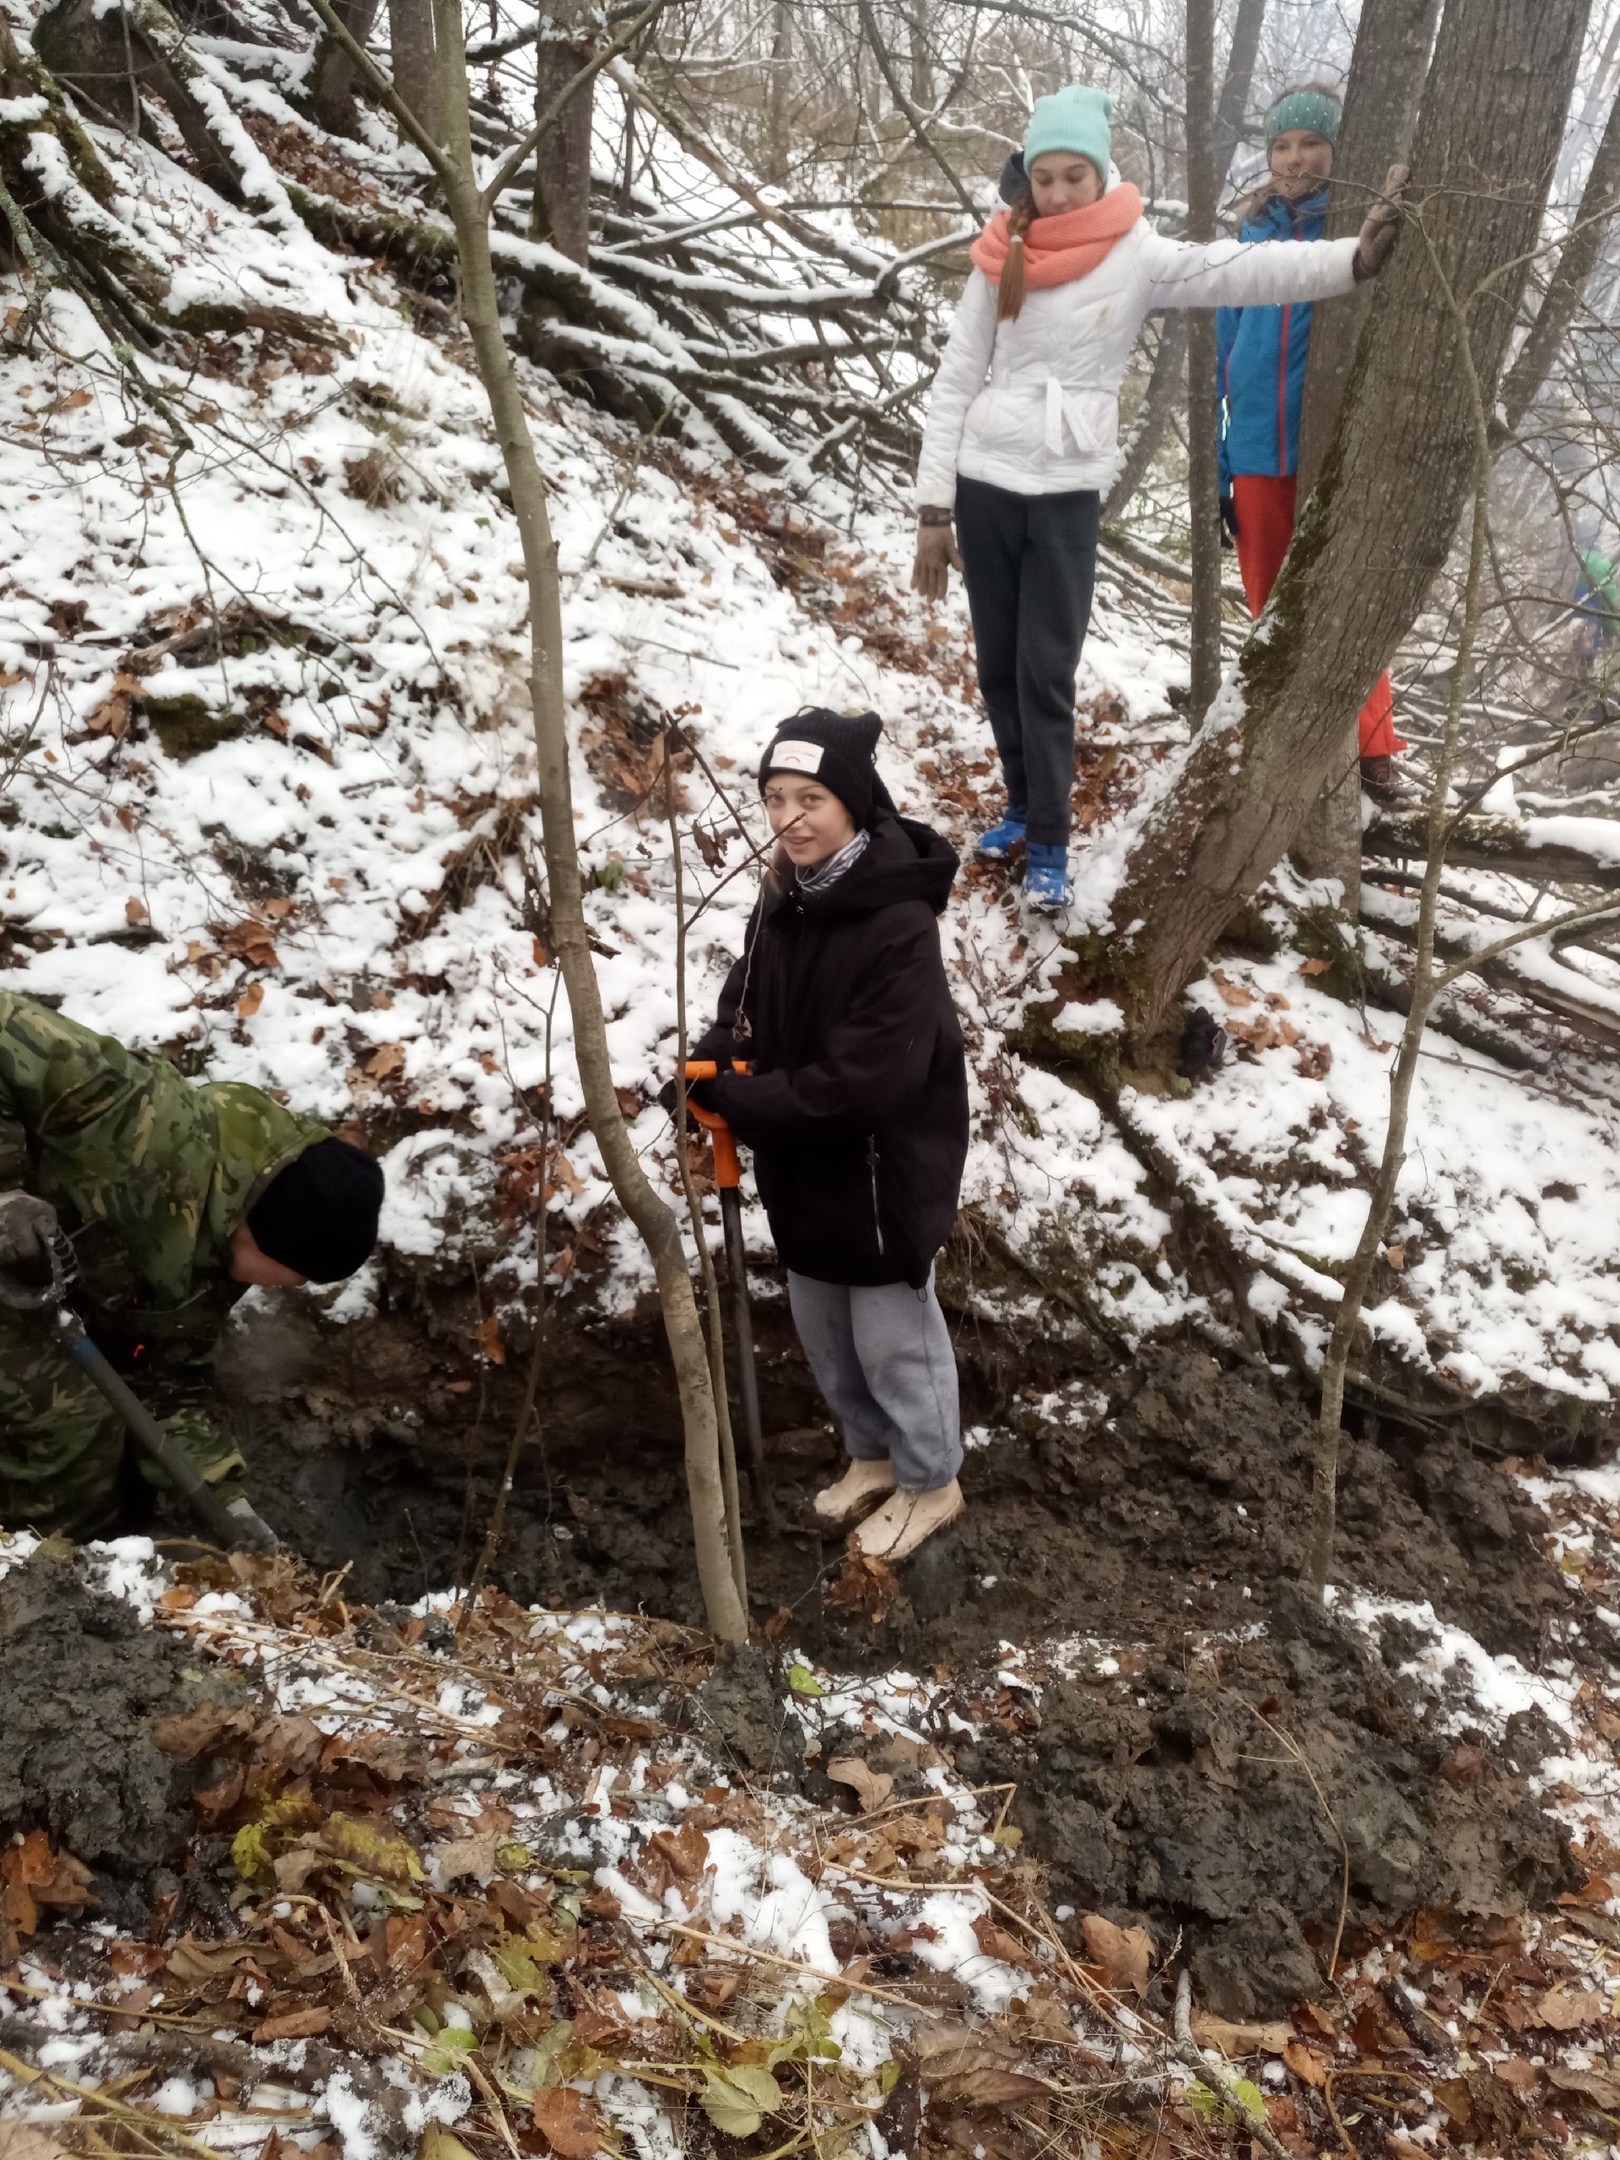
(1269, 217)
(257, 1139)
(904, 860)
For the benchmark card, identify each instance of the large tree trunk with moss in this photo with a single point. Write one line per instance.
(1385, 511)
(1203, 454)
(1387, 69)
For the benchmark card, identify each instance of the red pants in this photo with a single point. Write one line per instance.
(1264, 503)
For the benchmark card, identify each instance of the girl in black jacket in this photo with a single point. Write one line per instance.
(856, 1111)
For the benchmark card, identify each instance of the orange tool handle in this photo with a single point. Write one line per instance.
(727, 1169)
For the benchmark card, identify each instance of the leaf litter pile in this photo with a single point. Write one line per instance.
(469, 1879)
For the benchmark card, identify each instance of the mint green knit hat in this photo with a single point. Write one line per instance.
(1074, 119)
(1318, 110)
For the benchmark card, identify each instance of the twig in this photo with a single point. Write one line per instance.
(1219, 2077)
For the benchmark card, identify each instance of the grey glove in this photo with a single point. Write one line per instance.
(27, 1226)
(936, 558)
(1381, 228)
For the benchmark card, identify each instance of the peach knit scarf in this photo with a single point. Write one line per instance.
(1059, 249)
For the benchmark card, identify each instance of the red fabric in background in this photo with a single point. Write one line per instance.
(1264, 503)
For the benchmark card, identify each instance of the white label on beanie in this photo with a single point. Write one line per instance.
(797, 757)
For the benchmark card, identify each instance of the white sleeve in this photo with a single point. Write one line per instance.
(960, 379)
(1245, 273)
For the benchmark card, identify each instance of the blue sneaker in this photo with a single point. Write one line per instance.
(998, 843)
(1047, 890)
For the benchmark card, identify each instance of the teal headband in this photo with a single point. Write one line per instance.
(1317, 110)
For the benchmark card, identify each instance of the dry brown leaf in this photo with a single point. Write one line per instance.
(1315, 967)
(675, 1856)
(1396, 1256)
(1601, 2087)
(110, 717)
(1564, 2009)
(194, 1732)
(1518, 2072)
(1124, 1953)
(468, 1856)
(1232, 993)
(135, 910)
(568, 2123)
(249, 940)
(190, 1960)
(864, 1585)
(23, 2141)
(998, 1942)
(385, 1062)
(490, 1344)
(296, 2025)
(1307, 2063)
(1238, 2039)
(957, 2064)
(250, 1001)
(438, 2143)
(870, 1787)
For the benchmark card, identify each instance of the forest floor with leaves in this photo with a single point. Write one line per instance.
(289, 1873)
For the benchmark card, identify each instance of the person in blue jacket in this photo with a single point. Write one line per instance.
(1260, 382)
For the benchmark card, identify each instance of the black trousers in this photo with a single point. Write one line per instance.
(1029, 562)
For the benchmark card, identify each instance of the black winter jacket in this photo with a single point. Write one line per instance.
(856, 1109)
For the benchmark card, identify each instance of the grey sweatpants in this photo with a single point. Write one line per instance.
(882, 1357)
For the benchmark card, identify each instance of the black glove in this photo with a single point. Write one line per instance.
(1228, 522)
(698, 1092)
(27, 1226)
(1203, 1044)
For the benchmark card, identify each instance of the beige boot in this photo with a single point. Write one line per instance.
(903, 1522)
(857, 1492)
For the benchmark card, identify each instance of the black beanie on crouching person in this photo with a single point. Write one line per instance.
(319, 1215)
(836, 749)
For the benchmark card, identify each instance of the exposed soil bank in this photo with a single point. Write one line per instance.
(1153, 1506)
(84, 1684)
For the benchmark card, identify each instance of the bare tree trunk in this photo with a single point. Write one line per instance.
(1203, 457)
(1576, 262)
(654, 1219)
(562, 163)
(1238, 82)
(1387, 68)
(1383, 516)
(414, 62)
(333, 74)
(781, 82)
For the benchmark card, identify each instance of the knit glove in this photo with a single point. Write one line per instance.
(27, 1226)
(1228, 522)
(699, 1095)
(936, 558)
(1381, 228)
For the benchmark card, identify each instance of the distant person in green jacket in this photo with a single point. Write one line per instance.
(174, 1196)
(1597, 602)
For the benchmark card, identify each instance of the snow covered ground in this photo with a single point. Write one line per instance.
(270, 805)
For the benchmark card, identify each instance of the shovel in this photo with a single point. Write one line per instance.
(233, 1525)
(728, 1176)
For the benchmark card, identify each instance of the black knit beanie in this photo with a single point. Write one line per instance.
(836, 749)
(319, 1215)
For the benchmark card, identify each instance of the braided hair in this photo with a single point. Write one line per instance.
(1010, 287)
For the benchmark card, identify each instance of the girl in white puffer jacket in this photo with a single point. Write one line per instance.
(1022, 431)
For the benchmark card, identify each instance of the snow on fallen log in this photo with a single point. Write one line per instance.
(1565, 850)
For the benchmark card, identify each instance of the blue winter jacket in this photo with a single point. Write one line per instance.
(1260, 357)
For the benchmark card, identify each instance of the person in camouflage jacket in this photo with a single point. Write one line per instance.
(175, 1196)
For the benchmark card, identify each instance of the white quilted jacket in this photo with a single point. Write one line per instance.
(1047, 418)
